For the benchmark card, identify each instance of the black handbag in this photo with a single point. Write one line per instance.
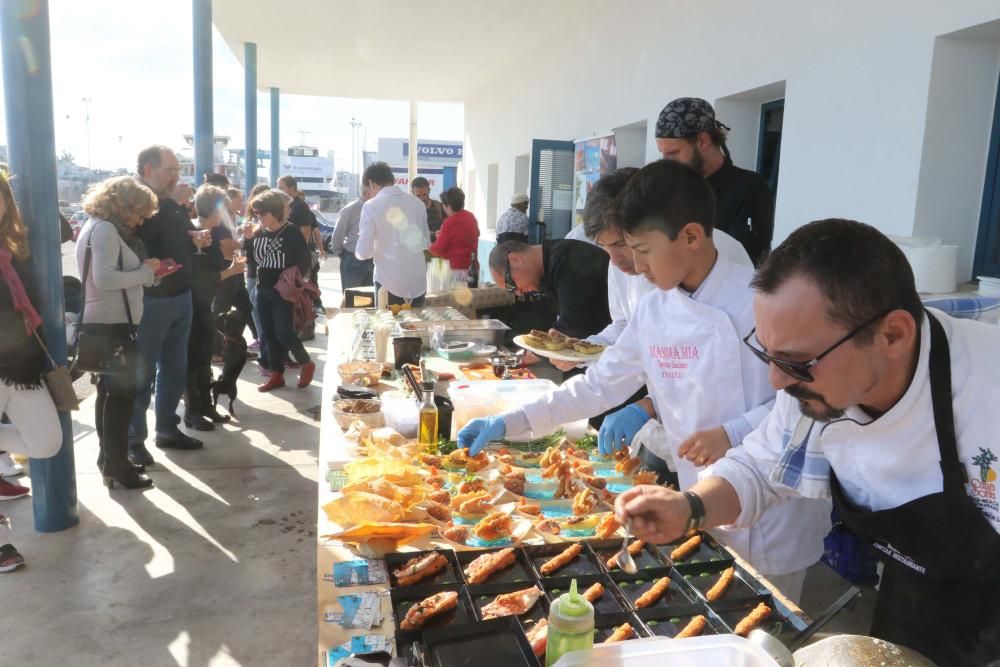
(102, 348)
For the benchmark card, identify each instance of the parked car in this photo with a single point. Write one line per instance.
(76, 222)
(326, 226)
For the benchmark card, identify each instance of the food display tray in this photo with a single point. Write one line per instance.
(685, 598)
(499, 642)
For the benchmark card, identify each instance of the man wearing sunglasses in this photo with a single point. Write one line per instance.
(885, 407)
(683, 340)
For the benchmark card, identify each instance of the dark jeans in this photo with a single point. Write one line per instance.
(199, 360)
(278, 331)
(163, 350)
(314, 279)
(416, 302)
(112, 414)
(355, 272)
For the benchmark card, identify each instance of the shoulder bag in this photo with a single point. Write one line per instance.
(102, 348)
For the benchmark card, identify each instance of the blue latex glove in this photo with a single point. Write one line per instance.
(620, 427)
(480, 432)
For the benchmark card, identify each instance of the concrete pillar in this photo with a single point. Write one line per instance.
(250, 114)
(27, 82)
(275, 137)
(412, 162)
(204, 133)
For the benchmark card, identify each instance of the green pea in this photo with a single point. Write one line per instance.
(652, 624)
(675, 620)
(704, 574)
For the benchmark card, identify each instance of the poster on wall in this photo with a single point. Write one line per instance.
(593, 158)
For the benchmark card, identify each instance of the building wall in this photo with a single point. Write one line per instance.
(866, 88)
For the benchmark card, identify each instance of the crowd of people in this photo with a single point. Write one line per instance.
(162, 266)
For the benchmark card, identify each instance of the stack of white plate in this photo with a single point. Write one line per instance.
(989, 285)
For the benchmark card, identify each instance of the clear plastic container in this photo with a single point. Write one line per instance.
(716, 650)
(402, 413)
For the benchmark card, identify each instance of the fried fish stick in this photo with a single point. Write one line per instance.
(752, 620)
(633, 550)
(686, 549)
(594, 593)
(561, 559)
(482, 568)
(419, 568)
(694, 628)
(652, 596)
(621, 633)
(721, 586)
(427, 608)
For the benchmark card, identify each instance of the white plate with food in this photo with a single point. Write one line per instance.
(560, 348)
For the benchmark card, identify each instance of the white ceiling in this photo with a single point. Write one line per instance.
(424, 50)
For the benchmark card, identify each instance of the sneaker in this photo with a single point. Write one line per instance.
(10, 491)
(254, 346)
(10, 559)
(9, 467)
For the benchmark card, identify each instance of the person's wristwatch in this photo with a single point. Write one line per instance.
(697, 518)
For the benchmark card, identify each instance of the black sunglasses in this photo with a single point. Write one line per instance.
(800, 369)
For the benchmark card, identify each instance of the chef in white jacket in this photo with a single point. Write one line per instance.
(885, 407)
(684, 341)
(626, 286)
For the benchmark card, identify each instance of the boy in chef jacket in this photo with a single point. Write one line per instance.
(684, 342)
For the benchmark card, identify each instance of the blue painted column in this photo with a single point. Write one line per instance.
(27, 83)
(275, 138)
(250, 114)
(204, 140)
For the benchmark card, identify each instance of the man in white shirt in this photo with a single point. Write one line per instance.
(883, 406)
(354, 272)
(393, 232)
(684, 342)
(512, 225)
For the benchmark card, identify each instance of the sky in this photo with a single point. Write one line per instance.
(133, 59)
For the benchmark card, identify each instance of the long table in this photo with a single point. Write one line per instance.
(334, 451)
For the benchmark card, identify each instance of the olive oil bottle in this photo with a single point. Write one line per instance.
(428, 433)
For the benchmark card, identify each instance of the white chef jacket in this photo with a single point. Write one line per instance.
(689, 350)
(394, 232)
(889, 461)
(625, 291)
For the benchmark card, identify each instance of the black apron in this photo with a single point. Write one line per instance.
(940, 589)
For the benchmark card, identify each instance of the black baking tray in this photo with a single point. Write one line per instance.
(647, 559)
(585, 563)
(404, 598)
(451, 574)
(499, 642)
(668, 622)
(486, 593)
(606, 625)
(782, 624)
(610, 603)
(710, 551)
(703, 577)
(632, 586)
(520, 571)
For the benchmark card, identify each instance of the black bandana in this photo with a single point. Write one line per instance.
(686, 117)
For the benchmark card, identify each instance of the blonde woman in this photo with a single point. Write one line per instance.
(114, 270)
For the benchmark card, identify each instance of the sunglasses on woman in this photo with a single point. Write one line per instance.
(800, 370)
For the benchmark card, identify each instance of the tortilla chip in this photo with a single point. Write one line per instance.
(402, 533)
(360, 507)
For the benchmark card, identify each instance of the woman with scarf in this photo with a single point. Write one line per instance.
(34, 428)
(114, 269)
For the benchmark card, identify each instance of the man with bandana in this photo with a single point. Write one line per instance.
(688, 132)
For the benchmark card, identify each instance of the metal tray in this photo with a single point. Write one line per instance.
(488, 332)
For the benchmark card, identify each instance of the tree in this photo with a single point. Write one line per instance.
(67, 157)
